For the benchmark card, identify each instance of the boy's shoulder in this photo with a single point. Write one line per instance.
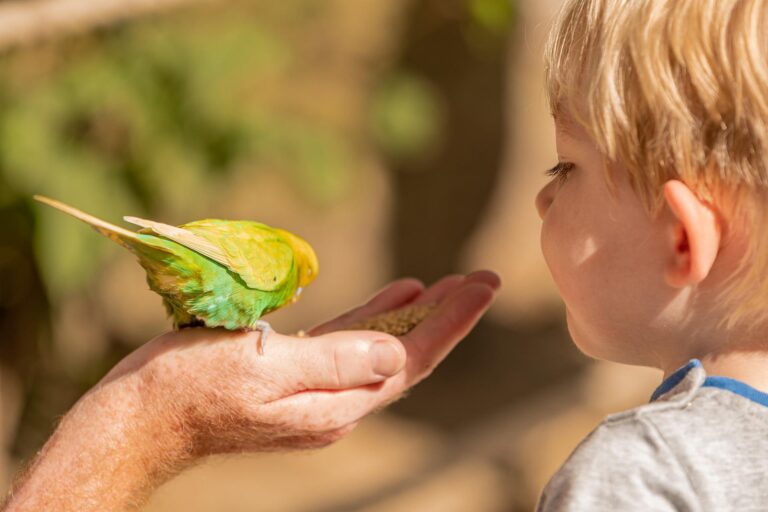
(625, 463)
(700, 444)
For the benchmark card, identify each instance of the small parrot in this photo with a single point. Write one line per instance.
(215, 273)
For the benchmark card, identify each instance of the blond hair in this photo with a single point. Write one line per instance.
(676, 89)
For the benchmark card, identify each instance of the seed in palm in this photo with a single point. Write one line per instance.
(397, 322)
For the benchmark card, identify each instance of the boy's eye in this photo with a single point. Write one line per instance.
(560, 171)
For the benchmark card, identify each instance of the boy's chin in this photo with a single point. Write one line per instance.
(578, 338)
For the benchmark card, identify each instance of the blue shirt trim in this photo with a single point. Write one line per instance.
(675, 379)
(738, 387)
(726, 383)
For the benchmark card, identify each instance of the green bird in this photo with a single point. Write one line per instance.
(216, 273)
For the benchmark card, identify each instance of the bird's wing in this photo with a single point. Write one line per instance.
(254, 251)
(184, 237)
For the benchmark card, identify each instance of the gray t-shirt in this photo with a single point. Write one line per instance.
(700, 445)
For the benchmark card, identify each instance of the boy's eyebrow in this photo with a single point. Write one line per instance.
(566, 125)
(565, 128)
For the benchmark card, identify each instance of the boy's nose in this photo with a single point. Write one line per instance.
(544, 199)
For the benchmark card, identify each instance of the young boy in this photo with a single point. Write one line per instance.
(654, 229)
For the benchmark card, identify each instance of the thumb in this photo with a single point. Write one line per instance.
(344, 359)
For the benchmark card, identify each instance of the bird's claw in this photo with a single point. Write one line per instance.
(264, 331)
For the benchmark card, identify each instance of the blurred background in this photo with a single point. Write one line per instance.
(399, 137)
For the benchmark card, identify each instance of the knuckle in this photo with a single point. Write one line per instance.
(358, 350)
(348, 361)
(337, 364)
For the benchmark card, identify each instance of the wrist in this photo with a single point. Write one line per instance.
(155, 402)
(188, 407)
(108, 453)
(158, 430)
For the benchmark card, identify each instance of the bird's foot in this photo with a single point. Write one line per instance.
(264, 331)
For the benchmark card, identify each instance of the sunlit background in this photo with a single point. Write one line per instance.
(400, 137)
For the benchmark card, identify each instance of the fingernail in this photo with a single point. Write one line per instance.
(386, 359)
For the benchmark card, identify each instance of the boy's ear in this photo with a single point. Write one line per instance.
(695, 236)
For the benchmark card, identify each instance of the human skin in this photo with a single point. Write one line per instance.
(198, 392)
(642, 290)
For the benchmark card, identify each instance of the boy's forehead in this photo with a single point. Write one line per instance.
(565, 126)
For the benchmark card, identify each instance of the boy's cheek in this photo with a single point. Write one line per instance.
(546, 238)
(566, 247)
(582, 291)
(556, 251)
(581, 271)
(554, 248)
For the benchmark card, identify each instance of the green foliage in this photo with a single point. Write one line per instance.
(153, 117)
(495, 16)
(406, 116)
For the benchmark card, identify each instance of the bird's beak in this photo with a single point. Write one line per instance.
(297, 294)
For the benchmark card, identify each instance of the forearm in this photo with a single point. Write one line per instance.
(107, 454)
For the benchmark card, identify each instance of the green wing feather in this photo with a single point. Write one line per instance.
(257, 253)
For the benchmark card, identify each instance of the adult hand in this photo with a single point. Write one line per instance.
(196, 392)
(303, 392)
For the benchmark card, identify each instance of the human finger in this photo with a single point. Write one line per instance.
(337, 360)
(487, 277)
(430, 341)
(439, 289)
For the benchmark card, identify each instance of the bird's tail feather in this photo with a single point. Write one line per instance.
(122, 236)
